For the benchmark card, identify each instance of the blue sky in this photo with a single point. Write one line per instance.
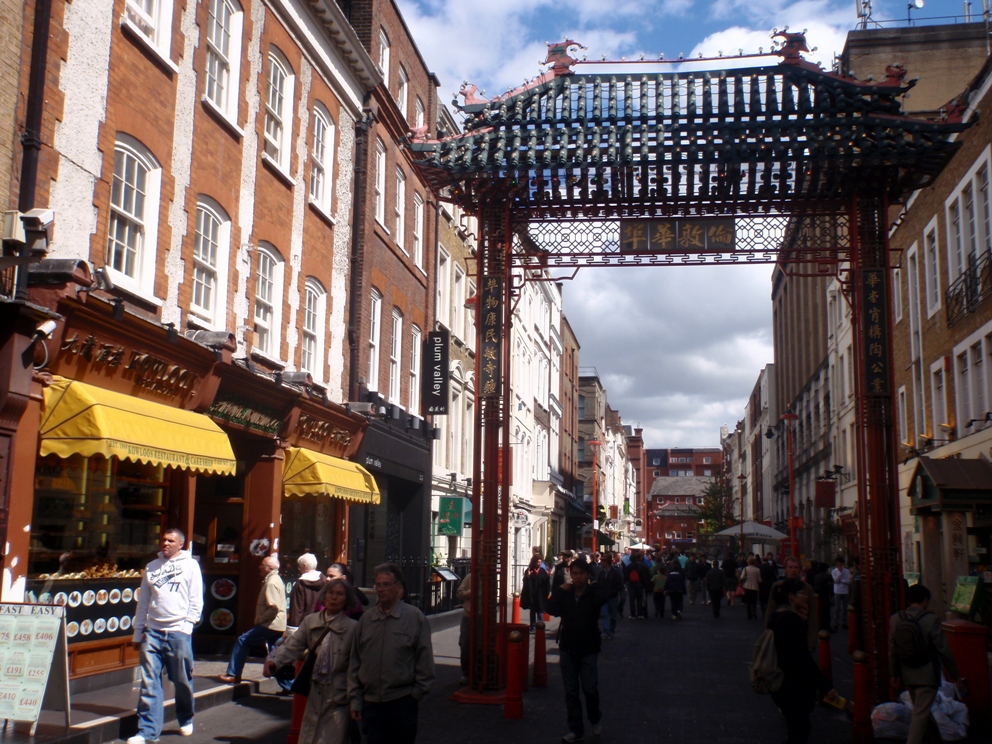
(695, 339)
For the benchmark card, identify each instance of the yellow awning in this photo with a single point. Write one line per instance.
(81, 419)
(308, 472)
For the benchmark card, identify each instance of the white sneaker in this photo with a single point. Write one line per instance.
(136, 739)
(186, 730)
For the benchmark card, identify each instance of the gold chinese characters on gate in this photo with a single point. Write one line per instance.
(876, 337)
(677, 234)
(491, 312)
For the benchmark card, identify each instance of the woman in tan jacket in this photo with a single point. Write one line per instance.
(751, 581)
(330, 634)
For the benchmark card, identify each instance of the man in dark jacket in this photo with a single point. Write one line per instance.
(611, 579)
(769, 575)
(715, 585)
(578, 605)
(693, 579)
(675, 588)
(636, 576)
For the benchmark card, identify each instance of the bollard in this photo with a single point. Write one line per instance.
(862, 733)
(516, 609)
(540, 657)
(826, 662)
(296, 719)
(525, 660)
(513, 701)
(852, 630)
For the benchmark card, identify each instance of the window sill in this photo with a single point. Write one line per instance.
(222, 118)
(278, 170)
(271, 360)
(378, 224)
(323, 213)
(125, 285)
(138, 35)
(200, 322)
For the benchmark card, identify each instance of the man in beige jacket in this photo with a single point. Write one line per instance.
(270, 619)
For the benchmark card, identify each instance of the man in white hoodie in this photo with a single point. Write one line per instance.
(169, 606)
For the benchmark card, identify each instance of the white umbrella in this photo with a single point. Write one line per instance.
(640, 546)
(754, 531)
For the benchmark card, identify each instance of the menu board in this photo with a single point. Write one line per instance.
(31, 636)
(964, 594)
(95, 608)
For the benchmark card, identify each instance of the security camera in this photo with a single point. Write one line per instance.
(37, 219)
(39, 226)
(46, 329)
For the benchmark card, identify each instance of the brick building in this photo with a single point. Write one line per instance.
(569, 514)
(199, 161)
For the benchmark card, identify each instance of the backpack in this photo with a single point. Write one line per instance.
(909, 643)
(634, 576)
(765, 674)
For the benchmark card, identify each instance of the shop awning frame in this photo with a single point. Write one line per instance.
(82, 419)
(308, 472)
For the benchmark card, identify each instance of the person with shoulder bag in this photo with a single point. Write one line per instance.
(917, 652)
(327, 638)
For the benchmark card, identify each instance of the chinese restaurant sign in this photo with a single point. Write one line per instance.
(449, 517)
(491, 317)
(875, 324)
(435, 373)
(644, 236)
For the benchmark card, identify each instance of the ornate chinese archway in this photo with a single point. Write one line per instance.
(781, 163)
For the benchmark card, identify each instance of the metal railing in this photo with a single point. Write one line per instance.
(968, 291)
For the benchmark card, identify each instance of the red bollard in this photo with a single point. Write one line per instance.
(516, 609)
(296, 719)
(852, 630)
(513, 700)
(540, 657)
(826, 661)
(862, 733)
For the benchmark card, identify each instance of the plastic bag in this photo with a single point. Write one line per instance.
(891, 720)
(951, 716)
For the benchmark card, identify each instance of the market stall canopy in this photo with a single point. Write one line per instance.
(306, 471)
(752, 531)
(82, 419)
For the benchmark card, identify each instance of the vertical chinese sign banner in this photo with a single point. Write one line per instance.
(875, 323)
(434, 376)
(449, 517)
(704, 234)
(491, 318)
(825, 496)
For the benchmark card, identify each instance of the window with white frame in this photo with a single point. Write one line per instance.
(132, 234)
(443, 288)
(400, 223)
(418, 231)
(322, 159)
(403, 92)
(931, 265)
(470, 318)
(211, 247)
(969, 219)
(938, 395)
(225, 21)
(897, 295)
(972, 393)
(913, 294)
(419, 114)
(268, 301)
(278, 109)
(380, 182)
(314, 312)
(415, 349)
(375, 333)
(395, 357)
(457, 301)
(153, 20)
(384, 57)
(903, 428)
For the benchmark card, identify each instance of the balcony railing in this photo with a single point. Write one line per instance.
(967, 292)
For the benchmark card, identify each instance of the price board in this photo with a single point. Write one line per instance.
(965, 590)
(34, 671)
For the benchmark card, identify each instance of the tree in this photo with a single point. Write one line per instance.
(717, 510)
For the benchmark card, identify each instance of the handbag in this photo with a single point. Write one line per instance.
(301, 685)
(739, 591)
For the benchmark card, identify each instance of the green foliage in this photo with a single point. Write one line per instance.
(717, 510)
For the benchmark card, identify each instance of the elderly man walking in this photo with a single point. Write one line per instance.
(270, 619)
(392, 663)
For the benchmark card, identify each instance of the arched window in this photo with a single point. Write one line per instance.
(211, 247)
(314, 311)
(132, 233)
(268, 301)
(322, 159)
(278, 110)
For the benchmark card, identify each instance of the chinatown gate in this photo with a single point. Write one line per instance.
(779, 163)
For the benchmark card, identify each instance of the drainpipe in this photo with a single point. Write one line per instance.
(357, 226)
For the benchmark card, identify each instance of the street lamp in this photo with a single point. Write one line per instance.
(595, 445)
(742, 482)
(790, 418)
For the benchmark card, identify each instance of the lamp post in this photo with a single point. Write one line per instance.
(742, 481)
(790, 418)
(595, 444)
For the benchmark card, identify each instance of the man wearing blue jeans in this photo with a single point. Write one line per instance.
(270, 620)
(611, 577)
(169, 605)
(578, 605)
